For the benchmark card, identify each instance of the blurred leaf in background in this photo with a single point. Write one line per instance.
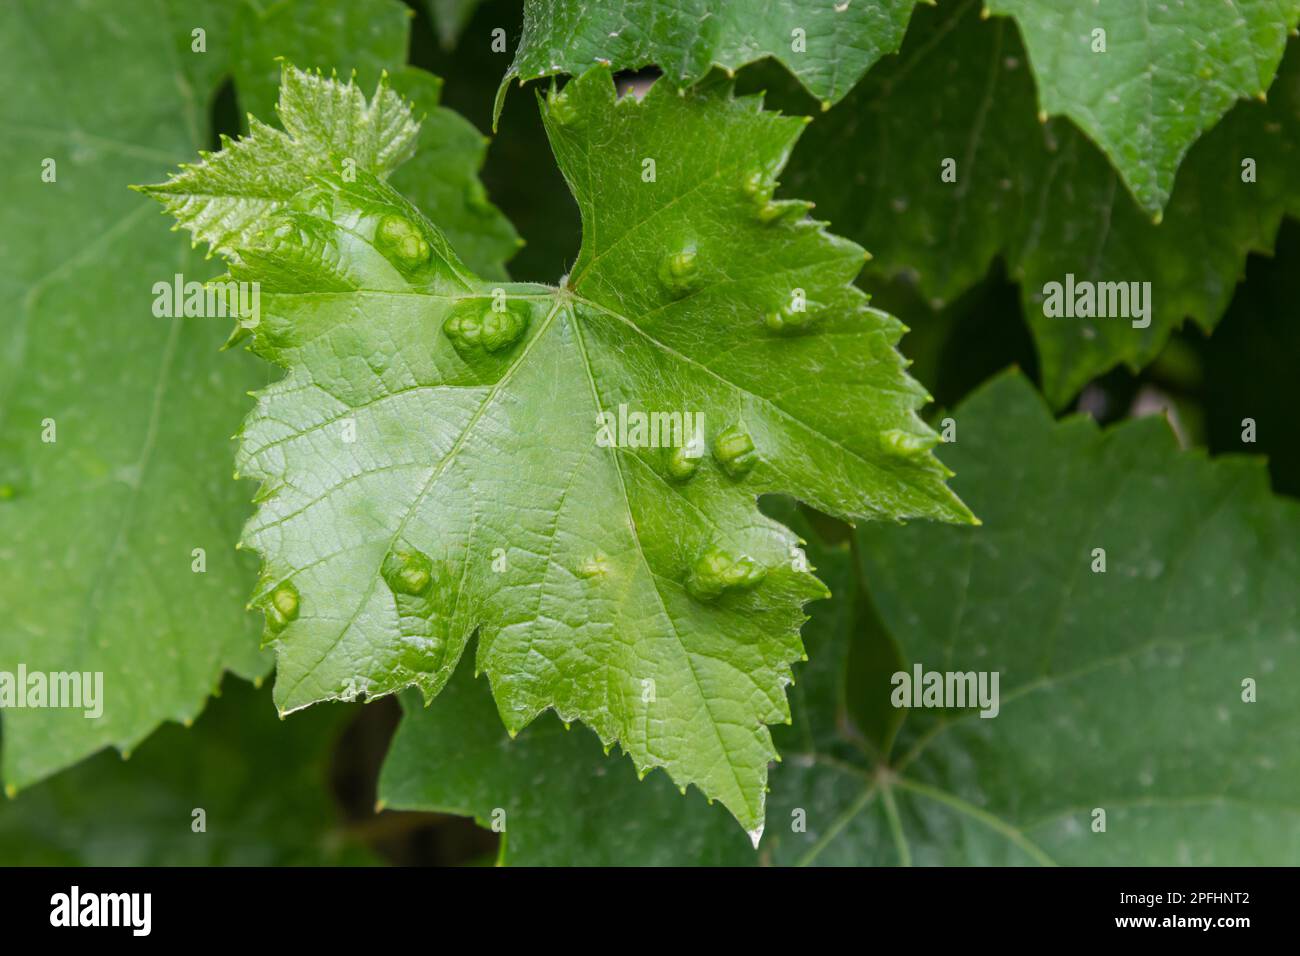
(239, 788)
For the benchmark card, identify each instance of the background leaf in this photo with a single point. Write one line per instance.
(260, 782)
(1158, 77)
(99, 527)
(1040, 196)
(839, 40)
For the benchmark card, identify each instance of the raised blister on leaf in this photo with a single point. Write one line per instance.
(283, 606)
(680, 271)
(399, 239)
(682, 462)
(717, 571)
(734, 450)
(903, 444)
(408, 571)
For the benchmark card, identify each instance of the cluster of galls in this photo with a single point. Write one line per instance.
(489, 325)
(718, 571)
(400, 241)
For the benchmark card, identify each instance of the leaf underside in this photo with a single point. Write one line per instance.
(432, 466)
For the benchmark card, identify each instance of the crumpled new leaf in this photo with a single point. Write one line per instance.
(432, 465)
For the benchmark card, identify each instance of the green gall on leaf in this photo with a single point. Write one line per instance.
(407, 571)
(682, 462)
(787, 321)
(717, 571)
(561, 108)
(596, 566)
(399, 240)
(477, 324)
(283, 606)
(901, 444)
(758, 187)
(502, 329)
(734, 451)
(680, 271)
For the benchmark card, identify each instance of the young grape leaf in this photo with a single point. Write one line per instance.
(1119, 691)
(1041, 195)
(115, 495)
(240, 788)
(447, 454)
(1144, 79)
(443, 173)
(827, 45)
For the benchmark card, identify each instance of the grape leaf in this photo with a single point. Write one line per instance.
(1154, 78)
(1041, 195)
(259, 782)
(827, 45)
(101, 524)
(432, 466)
(368, 37)
(1118, 690)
